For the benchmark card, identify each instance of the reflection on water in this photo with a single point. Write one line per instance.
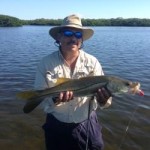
(122, 51)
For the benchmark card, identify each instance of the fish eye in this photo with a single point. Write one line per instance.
(128, 84)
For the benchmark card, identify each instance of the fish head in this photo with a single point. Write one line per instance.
(117, 86)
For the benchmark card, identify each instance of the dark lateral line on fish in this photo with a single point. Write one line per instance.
(105, 85)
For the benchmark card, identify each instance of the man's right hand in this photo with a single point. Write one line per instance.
(66, 96)
(63, 97)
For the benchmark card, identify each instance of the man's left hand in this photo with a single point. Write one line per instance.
(102, 96)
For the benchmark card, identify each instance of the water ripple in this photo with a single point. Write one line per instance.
(122, 51)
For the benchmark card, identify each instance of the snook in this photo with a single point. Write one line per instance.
(86, 86)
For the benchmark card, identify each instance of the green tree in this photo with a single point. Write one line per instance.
(8, 21)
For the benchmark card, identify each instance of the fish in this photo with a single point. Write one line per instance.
(84, 86)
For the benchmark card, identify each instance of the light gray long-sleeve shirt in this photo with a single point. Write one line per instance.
(54, 66)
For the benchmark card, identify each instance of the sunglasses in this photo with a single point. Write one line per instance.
(68, 33)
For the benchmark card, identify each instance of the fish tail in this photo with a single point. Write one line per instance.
(28, 95)
(31, 105)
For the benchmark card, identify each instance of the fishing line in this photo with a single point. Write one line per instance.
(88, 123)
(128, 125)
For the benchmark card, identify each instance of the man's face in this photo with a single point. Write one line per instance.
(70, 39)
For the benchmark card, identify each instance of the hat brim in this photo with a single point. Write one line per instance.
(87, 32)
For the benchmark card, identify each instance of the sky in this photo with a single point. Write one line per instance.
(58, 9)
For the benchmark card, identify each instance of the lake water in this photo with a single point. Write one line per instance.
(122, 51)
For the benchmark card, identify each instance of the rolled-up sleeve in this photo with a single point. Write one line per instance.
(40, 83)
(40, 78)
(98, 69)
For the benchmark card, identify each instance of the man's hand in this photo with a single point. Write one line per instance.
(66, 96)
(63, 97)
(102, 96)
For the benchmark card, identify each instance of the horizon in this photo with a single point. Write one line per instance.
(81, 18)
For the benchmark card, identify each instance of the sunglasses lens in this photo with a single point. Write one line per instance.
(78, 35)
(68, 33)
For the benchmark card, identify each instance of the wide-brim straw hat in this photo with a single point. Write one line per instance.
(72, 21)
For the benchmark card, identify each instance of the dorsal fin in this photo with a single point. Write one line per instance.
(61, 80)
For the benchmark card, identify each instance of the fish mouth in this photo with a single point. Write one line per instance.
(135, 89)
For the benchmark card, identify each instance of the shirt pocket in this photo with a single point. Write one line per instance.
(85, 71)
(52, 76)
(90, 69)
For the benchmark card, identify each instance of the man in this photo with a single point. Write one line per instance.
(71, 122)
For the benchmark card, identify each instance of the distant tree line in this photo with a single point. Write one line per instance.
(117, 22)
(8, 21)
